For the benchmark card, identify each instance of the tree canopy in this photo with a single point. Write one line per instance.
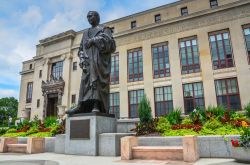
(8, 107)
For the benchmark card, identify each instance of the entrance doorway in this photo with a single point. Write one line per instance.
(52, 105)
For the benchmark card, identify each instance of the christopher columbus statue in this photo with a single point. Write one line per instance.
(95, 52)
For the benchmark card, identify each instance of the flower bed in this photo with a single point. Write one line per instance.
(36, 128)
(212, 121)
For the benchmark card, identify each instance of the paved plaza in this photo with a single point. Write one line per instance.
(60, 159)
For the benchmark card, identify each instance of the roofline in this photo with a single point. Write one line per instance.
(147, 11)
(28, 61)
(139, 13)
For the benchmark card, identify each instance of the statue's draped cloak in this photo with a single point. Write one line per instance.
(95, 81)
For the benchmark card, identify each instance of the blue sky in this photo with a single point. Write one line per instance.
(24, 22)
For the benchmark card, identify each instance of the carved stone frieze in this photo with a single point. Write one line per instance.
(53, 86)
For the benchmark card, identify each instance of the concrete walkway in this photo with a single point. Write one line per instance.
(60, 159)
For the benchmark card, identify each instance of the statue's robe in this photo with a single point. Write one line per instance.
(95, 81)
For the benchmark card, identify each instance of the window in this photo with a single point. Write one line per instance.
(133, 24)
(163, 101)
(38, 103)
(160, 55)
(134, 100)
(40, 73)
(189, 53)
(247, 39)
(114, 104)
(222, 56)
(213, 3)
(114, 74)
(184, 11)
(30, 66)
(193, 96)
(29, 92)
(73, 99)
(227, 93)
(112, 29)
(74, 66)
(158, 18)
(135, 65)
(57, 69)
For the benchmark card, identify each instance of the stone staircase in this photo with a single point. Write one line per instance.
(33, 145)
(187, 152)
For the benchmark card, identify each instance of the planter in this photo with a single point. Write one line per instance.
(241, 154)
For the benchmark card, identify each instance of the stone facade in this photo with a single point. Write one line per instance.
(200, 21)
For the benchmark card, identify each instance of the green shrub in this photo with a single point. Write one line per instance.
(223, 130)
(174, 117)
(179, 132)
(227, 130)
(3, 131)
(32, 130)
(238, 116)
(25, 124)
(41, 134)
(144, 110)
(217, 112)
(187, 120)
(207, 131)
(12, 130)
(213, 124)
(198, 116)
(35, 122)
(163, 125)
(20, 134)
(247, 109)
(50, 121)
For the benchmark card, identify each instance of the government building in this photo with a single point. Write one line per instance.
(187, 54)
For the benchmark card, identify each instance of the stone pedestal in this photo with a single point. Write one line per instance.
(82, 132)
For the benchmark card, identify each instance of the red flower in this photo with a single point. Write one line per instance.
(235, 143)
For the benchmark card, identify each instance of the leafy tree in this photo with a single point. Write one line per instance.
(8, 107)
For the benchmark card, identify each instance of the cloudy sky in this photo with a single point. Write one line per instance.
(24, 22)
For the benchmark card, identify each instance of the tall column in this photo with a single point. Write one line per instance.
(147, 73)
(123, 81)
(66, 77)
(176, 73)
(206, 69)
(241, 63)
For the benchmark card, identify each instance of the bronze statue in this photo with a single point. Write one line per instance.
(95, 53)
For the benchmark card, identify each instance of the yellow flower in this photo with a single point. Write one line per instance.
(244, 124)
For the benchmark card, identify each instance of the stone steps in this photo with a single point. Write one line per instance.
(17, 148)
(158, 152)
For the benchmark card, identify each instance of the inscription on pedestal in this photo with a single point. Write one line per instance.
(79, 129)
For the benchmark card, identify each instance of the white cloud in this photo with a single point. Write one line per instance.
(32, 17)
(71, 17)
(8, 93)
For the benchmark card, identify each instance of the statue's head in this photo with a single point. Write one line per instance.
(93, 18)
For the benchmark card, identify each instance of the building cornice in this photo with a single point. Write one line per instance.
(70, 34)
(182, 18)
(199, 21)
(26, 72)
(28, 61)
